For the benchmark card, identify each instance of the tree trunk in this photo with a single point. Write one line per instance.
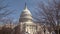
(58, 31)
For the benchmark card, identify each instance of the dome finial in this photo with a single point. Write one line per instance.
(25, 5)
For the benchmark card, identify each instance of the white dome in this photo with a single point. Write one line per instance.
(25, 15)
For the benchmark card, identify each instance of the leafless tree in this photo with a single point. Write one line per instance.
(3, 9)
(7, 28)
(49, 13)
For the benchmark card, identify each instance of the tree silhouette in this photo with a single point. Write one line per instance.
(49, 14)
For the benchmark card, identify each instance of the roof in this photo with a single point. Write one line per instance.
(26, 15)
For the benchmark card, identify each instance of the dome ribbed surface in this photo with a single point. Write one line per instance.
(25, 15)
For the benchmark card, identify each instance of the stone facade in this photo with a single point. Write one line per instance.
(26, 26)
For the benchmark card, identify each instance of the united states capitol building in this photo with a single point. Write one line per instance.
(25, 25)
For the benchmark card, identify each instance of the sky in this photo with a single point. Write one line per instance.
(18, 5)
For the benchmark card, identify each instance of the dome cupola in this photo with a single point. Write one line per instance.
(25, 15)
